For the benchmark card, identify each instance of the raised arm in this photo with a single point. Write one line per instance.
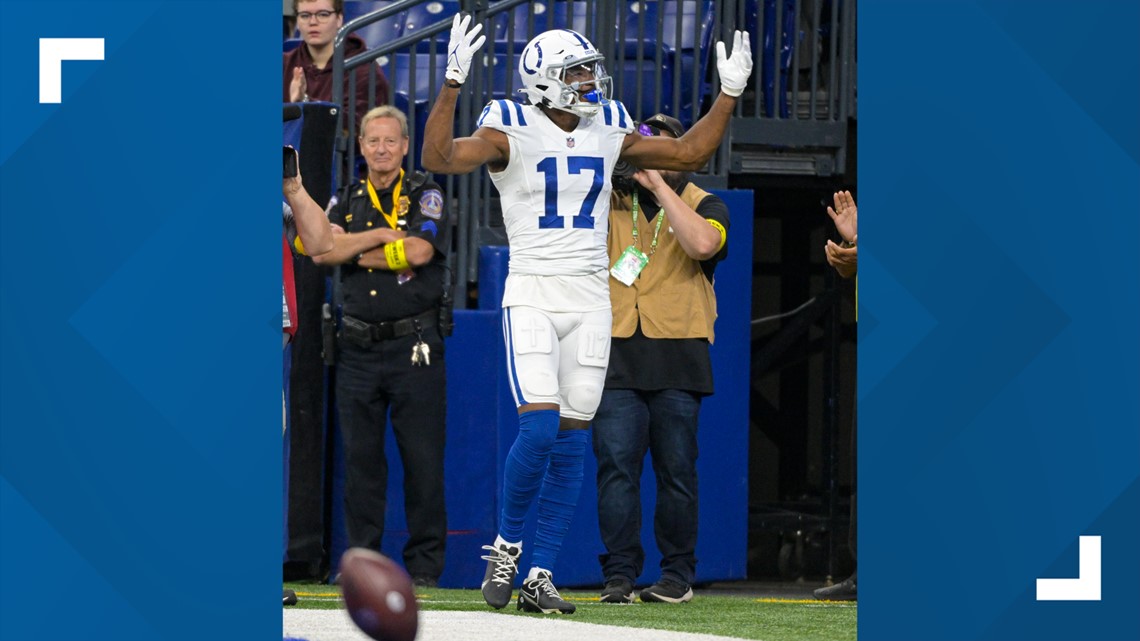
(691, 151)
(313, 226)
(697, 237)
(442, 153)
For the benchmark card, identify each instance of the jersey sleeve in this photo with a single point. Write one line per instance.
(614, 114)
(502, 115)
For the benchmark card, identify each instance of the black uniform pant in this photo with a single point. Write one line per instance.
(370, 381)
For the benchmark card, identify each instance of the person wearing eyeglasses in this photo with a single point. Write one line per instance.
(659, 371)
(308, 68)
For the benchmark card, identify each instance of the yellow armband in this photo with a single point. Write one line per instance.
(394, 253)
(723, 234)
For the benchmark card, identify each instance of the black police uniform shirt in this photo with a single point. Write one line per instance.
(648, 364)
(375, 295)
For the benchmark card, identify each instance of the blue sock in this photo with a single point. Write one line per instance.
(522, 473)
(559, 496)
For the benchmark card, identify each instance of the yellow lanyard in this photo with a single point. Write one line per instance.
(660, 217)
(394, 218)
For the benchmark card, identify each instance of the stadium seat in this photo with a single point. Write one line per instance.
(691, 53)
(627, 75)
(692, 39)
(426, 15)
(380, 32)
(769, 54)
(413, 74)
(429, 13)
(416, 123)
(504, 81)
(559, 14)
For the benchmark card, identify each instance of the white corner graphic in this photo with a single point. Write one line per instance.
(53, 51)
(1086, 587)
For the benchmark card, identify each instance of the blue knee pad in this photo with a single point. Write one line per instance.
(559, 496)
(522, 473)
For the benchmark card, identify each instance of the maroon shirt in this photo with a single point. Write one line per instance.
(319, 81)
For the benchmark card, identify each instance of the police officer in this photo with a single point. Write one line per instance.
(390, 348)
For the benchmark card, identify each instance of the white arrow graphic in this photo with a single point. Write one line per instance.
(53, 51)
(1086, 587)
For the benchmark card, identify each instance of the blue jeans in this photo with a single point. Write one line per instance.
(627, 425)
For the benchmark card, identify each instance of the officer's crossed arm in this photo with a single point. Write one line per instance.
(348, 246)
(417, 252)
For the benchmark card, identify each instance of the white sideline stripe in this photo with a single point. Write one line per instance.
(1086, 587)
(335, 625)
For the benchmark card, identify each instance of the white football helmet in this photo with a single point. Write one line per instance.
(543, 65)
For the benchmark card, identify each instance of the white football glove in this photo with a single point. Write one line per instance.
(735, 69)
(462, 48)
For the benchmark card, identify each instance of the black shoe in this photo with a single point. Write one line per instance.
(425, 581)
(618, 590)
(499, 580)
(288, 597)
(540, 595)
(303, 572)
(845, 590)
(666, 591)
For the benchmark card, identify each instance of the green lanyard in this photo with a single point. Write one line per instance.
(660, 217)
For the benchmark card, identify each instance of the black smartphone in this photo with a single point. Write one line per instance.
(290, 158)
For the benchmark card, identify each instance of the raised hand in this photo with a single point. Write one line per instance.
(735, 69)
(298, 87)
(462, 47)
(845, 216)
(845, 260)
(650, 179)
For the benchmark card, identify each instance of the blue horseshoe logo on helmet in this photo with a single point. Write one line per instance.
(538, 48)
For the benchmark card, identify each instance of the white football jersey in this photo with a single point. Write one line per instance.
(555, 190)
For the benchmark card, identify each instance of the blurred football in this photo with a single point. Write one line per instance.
(379, 595)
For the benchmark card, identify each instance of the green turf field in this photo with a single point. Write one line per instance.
(735, 616)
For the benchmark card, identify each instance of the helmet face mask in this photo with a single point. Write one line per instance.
(544, 65)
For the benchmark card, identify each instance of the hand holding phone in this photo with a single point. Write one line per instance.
(290, 162)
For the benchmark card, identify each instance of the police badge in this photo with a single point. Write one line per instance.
(431, 204)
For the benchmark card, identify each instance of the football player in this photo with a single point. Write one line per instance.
(551, 161)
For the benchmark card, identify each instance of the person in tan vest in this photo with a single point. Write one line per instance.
(666, 236)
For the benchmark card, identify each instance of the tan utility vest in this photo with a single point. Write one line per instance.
(672, 298)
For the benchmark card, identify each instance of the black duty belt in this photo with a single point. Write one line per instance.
(360, 331)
